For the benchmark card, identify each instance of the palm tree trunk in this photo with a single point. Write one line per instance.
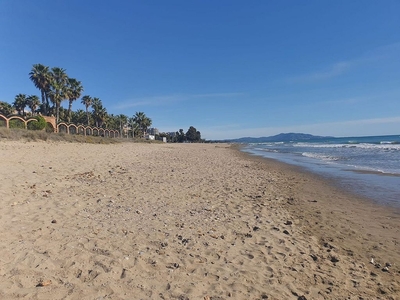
(69, 110)
(57, 112)
(47, 104)
(87, 115)
(44, 103)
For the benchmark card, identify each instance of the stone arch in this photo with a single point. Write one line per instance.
(81, 130)
(62, 128)
(21, 124)
(3, 121)
(51, 121)
(30, 120)
(72, 129)
(50, 127)
(88, 131)
(101, 132)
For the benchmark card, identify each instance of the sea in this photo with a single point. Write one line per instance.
(368, 166)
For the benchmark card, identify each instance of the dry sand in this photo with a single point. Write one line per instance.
(188, 221)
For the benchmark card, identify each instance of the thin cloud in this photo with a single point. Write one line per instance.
(342, 67)
(333, 71)
(169, 99)
(216, 95)
(387, 94)
(346, 101)
(149, 101)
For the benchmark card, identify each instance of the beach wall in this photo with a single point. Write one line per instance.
(62, 127)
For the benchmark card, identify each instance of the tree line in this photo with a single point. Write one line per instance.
(191, 136)
(56, 86)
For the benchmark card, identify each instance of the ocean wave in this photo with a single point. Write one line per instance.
(320, 156)
(383, 146)
(376, 170)
(264, 149)
(390, 142)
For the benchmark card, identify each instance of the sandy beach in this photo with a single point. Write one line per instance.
(184, 221)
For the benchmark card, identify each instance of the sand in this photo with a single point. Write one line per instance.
(184, 221)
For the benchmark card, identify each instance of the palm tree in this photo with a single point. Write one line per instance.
(112, 122)
(62, 115)
(6, 108)
(133, 125)
(122, 120)
(96, 107)
(142, 121)
(102, 117)
(146, 124)
(87, 101)
(58, 88)
(40, 76)
(138, 120)
(78, 117)
(20, 103)
(75, 90)
(99, 112)
(33, 103)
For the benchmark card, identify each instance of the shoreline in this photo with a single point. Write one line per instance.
(184, 221)
(325, 187)
(379, 187)
(354, 225)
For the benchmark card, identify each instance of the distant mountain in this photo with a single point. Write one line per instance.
(282, 137)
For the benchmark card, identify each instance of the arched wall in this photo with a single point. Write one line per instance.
(63, 127)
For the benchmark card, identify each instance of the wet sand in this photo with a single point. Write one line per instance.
(184, 221)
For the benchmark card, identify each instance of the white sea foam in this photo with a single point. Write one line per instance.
(369, 157)
(320, 156)
(265, 150)
(375, 170)
(382, 146)
(389, 142)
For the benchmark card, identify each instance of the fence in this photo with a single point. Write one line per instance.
(68, 128)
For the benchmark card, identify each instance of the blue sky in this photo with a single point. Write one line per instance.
(229, 68)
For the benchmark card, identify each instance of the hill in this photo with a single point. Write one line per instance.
(282, 137)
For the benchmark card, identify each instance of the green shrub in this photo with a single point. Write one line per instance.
(16, 123)
(49, 128)
(40, 124)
